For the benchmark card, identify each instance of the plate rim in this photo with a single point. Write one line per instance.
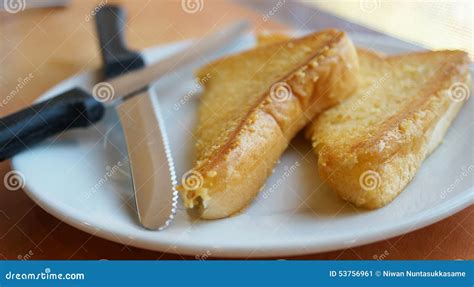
(292, 248)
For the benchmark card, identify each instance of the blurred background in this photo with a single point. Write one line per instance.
(46, 33)
(434, 24)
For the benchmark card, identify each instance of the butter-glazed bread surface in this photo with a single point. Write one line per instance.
(371, 146)
(253, 104)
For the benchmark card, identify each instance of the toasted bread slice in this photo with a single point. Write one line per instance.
(371, 146)
(253, 104)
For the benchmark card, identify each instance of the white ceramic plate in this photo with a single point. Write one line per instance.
(75, 179)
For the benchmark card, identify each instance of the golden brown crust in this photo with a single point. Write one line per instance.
(239, 168)
(239, 173)
(334, 36)
(389, 157)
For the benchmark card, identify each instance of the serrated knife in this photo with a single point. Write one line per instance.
(129, 95)
(149, 155)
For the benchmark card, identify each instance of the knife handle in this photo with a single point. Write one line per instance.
(118, 59)
(25, 128)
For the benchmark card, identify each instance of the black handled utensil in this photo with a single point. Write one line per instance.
(73, 108)
(117, 58)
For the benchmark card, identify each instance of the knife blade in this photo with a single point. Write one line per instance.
(149, 154)
(128, 84)
(77, 108)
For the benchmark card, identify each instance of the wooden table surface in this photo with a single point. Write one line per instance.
(54, 44)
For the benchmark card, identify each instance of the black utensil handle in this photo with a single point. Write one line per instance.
(25, 128)
(110, 24)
